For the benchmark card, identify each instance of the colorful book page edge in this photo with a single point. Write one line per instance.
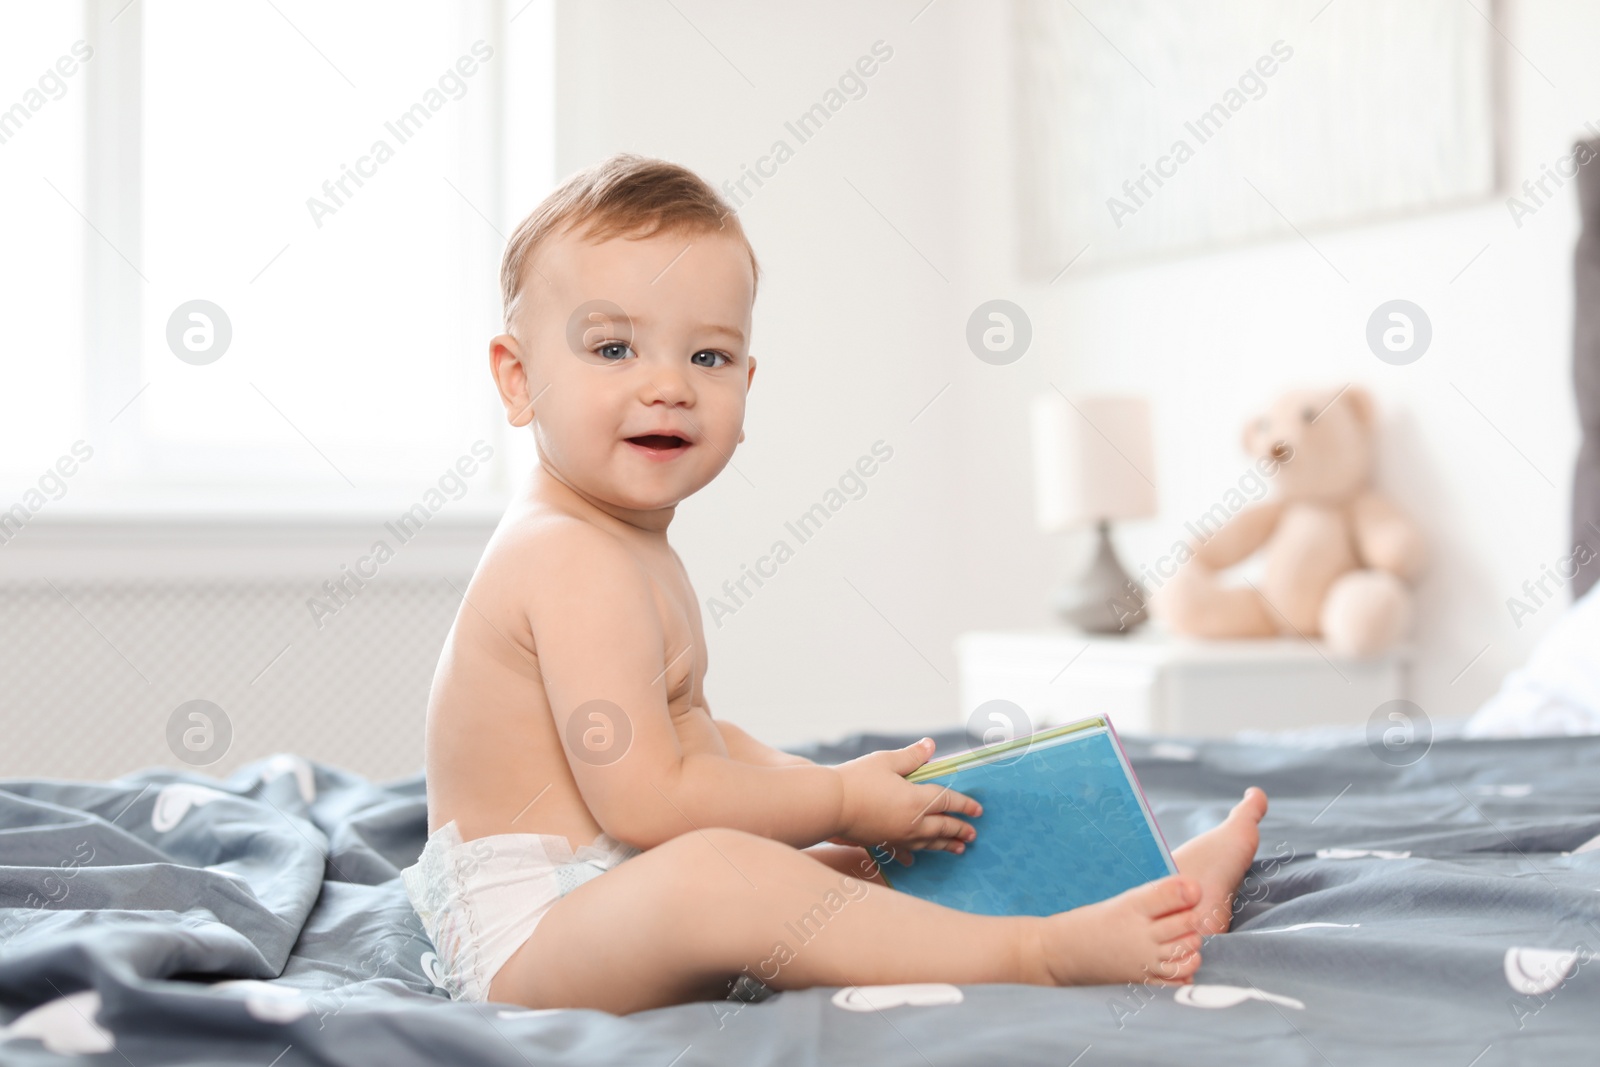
(956, 761)
(1144, 802)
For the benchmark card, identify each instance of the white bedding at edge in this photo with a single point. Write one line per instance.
(1558, 692)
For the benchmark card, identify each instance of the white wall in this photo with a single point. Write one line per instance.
(1213, 338)
(853, 336)
(856, 331)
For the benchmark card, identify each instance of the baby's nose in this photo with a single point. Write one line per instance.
(668, 383)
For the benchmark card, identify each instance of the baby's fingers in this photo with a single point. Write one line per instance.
(937, 798)
(941, 844)
(932, 828)
(898, 852)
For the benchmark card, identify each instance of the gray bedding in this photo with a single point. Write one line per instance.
(1439, 913)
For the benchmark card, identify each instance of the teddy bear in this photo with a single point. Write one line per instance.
(1338, 555)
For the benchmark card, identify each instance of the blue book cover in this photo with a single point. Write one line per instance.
(1064, 824)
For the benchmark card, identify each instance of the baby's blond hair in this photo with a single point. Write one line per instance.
(626, 195)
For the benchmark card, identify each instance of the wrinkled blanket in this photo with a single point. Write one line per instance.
(1443, 912)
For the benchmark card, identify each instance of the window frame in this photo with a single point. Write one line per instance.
(145, 476)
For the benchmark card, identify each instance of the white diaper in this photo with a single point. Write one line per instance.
(479, 900)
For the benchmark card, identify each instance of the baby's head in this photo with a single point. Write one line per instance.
(627, 296)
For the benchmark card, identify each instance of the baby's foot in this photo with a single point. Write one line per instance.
(1218, 858)
(1145, 934)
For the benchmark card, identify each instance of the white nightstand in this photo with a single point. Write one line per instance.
(1153, 683)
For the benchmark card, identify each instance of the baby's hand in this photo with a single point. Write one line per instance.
(882, 808)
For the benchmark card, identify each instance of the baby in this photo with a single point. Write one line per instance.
(596, 838)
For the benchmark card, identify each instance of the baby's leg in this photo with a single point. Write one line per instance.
(847, 859)
(677, 922)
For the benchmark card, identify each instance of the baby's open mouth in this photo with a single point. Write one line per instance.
(657, 442)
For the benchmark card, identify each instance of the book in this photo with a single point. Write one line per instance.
(1064, 823)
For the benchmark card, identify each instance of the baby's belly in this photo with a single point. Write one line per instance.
(496, 765)
(496, 775)
(496, 759)
(512, 789)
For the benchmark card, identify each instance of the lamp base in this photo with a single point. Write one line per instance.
(1103, 599)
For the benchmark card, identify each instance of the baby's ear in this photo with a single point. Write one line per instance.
(511, 379)
(749, 377)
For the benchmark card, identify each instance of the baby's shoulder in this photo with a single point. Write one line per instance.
(553, 549)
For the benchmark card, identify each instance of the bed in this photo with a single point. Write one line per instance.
(1439, 912)
(1438, 908)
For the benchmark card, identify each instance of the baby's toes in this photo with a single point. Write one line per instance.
(1176, 961)
(1181, 948)
(1253, 807)
(1175, 893)
(1180, 924)
(1180, 970)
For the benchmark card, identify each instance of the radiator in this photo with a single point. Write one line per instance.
(112, 672)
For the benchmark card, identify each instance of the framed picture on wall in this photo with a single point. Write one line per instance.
(1148, 128)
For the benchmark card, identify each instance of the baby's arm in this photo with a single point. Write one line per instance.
(741, 746)
(746, 749)
(596, 623)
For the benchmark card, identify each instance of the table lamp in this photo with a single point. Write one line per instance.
(1094, 464)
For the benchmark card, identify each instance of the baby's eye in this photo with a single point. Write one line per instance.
(615, 351)
(708, 358)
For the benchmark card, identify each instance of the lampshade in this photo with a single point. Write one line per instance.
(1093, 460)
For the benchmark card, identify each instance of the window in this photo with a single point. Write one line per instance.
(256, 264)
(41, 171)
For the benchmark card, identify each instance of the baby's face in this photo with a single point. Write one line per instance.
(637, 360)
